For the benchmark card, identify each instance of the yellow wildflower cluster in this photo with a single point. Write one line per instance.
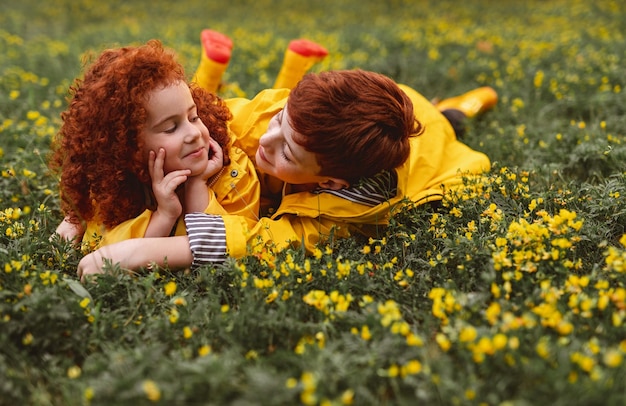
(308, 384)
(319, 339)
(527, 244)
(616, 257)
(480, 188)
(444, 303)
(481, 346)
(84, 304)
(329, 304)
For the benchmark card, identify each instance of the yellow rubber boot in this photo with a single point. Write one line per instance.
(472, 103)
(216, 52)
(300, 56)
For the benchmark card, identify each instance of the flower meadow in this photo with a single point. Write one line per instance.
(514, 294)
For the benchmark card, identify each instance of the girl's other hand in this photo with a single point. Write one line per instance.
(164, 186)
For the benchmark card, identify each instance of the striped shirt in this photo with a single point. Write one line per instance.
(207, 233)
(369, 191)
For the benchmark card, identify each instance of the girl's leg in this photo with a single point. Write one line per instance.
(216, 52)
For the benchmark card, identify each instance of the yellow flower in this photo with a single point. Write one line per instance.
(393, 371)
(174, 315)
(204, 350)
(543, 349)
(538, 80)
(85, 302)
(413, 367)
(152, 391)
(470, 394)
(414, 340)
(27, 339)
(170, 288)
(291, 383)
(499, 341)
(467, 333)
(443, 341)
(492, 312)
(187, 332)
(88, 394)
(365, 333)
(272, 296)
(347, 397)
(73, 372)
(180, 301)
(612, 358)
(32, 115)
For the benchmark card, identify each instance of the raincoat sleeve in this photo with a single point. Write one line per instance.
(213, 238)
(96, 235)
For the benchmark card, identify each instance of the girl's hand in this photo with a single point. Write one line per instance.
(164, 186)
(196, 191)
(70, 231)
(216, 160)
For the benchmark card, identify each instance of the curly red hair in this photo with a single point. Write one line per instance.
(98, 152)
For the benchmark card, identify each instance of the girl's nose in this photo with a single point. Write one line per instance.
(192, 132)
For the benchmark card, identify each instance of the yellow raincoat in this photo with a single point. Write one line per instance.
(437, 162)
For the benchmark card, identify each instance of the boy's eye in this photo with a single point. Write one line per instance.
(282, 152)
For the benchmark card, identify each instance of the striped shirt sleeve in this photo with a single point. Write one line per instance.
(207, 238)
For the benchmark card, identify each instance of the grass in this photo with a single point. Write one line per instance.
(516, 295)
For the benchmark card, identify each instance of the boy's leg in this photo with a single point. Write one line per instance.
(472, 103)
(300, 56)
(457, 120)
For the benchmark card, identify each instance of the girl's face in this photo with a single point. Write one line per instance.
(172, 123)
(280, 156)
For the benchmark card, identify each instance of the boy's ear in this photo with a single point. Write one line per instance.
(334, 184)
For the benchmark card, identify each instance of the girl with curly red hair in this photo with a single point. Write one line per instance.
(138, 142)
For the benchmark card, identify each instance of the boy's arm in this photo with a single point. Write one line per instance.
(136, 253)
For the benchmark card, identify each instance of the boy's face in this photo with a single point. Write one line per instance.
(279, 155)
(172, 123)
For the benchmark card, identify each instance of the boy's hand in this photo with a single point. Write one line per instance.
(216, 160)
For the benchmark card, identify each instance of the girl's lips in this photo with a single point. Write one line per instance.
(195, 154)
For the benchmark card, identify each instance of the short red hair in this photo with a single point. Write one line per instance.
(358, 123)
(98, 152)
